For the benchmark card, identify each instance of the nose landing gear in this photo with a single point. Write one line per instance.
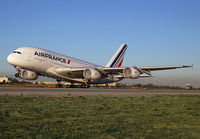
(18, 73)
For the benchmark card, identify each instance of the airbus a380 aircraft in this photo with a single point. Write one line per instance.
(32, 62)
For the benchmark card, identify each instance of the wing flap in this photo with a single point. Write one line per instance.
(70, 72)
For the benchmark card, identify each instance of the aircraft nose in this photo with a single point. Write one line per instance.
(10, 59)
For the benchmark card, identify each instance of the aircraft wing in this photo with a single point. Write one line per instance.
(78, 72)
(163, 67)
(111, 72)
(148, 70)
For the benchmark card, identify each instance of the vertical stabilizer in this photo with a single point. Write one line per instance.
(117, 59)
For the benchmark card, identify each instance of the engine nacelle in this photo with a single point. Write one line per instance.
(91, 74)
(132, 73)
(28, 75)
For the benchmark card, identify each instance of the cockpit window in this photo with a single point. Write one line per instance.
(17, 52)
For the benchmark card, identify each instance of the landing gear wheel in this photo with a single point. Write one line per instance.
(17, 75)
(71, 86)
(88, 86)
(85, 86)
(59, 85)
(78, 86)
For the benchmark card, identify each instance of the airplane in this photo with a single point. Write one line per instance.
(31, 62)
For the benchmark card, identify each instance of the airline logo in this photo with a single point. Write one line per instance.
(49, 56)
(120, 56)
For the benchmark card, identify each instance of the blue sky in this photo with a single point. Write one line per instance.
(157, 32)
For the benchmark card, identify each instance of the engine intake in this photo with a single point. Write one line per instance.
(91, 74)
(28, 75)
(132, 73)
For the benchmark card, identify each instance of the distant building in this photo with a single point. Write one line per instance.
(105, 85)
(5, 79)
(188, 86)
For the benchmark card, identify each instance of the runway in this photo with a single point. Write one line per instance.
(75, 92)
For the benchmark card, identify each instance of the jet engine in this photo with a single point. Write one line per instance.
(132, 73)
(28, 75)
(91, 74)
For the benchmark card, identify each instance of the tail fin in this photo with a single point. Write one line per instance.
(117, 59)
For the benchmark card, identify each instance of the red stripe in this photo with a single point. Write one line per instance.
(68, 62)
(120, 63)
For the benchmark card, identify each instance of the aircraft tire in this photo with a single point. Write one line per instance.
(59, 86)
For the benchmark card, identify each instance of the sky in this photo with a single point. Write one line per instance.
(157, 33)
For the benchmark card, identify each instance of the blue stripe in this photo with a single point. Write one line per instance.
(118, 56)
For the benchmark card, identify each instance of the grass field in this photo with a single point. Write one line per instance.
(100, 117)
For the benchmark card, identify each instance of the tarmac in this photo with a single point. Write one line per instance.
(75, 92)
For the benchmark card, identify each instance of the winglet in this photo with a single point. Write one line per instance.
(192, 66)
(185, 66)
(117, 59)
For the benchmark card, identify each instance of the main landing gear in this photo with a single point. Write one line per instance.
(60, 85)
(78, 86)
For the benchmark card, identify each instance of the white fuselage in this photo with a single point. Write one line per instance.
(40, 61)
